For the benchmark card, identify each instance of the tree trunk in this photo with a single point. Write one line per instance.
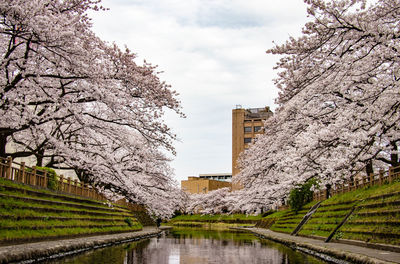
(369, 169)
(3, 143)
(83, 176)
(39, 158)
(328, 191)
(394, 156)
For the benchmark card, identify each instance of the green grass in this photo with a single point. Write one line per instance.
(364, 193)
(21, 224)
(278, 214)
(53, 199)
(216, 218)
(25, 234)
(375, 228)
(286, 221)
(9, 203)
(30, 212)
(21, 186)
(206, 225)
(381, 228)
(15, 224)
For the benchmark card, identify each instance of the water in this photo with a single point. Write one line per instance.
(194, 246)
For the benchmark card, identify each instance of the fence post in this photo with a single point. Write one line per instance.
(69, 185)
(45, 179)
(22, 172)
(371, 179)
(8, 169)
(380, 176)
(61, 183)
(33, 179)
(390, 174)
(75, 186)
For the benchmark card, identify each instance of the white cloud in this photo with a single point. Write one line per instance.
(213, 54)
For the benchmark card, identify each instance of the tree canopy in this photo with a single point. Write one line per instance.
(75, 101)
(338, 103)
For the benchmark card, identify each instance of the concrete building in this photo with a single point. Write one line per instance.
(246, 125)
(204, 184)
(226, 177)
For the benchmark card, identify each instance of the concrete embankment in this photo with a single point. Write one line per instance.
(31, 252)
(343, 252)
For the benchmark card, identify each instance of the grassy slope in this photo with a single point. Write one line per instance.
(217, 222)
(376, 218)
(216, 218)
(34, 219)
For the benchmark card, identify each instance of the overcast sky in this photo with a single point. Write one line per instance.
(213, 53)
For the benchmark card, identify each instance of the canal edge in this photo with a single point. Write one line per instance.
(39, 251)
(310, 249)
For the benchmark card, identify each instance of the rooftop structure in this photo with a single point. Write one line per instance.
(227, 177)
(206, 182)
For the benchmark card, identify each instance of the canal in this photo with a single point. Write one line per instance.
(194, 246)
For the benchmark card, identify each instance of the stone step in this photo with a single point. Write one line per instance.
(17, 218)
(58, 195)
(53, 194)
(57, 227)
(50, 202)
(80, 212)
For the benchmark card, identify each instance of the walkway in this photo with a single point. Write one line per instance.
(46, 249)
(350, 253)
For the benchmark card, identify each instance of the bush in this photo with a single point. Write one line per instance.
(52, 182)
(128, 221)
(301, 195)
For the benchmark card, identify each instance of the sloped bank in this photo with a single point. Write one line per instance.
(34, 252)
(214, 221)
(373, 218)
(29, 215)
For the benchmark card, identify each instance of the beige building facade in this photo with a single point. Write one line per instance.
(246, 125)
(202, 185)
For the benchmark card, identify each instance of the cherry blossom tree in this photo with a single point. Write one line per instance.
(74, 101)
(338, 103)
(212, 202)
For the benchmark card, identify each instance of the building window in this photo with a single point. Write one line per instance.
(247, 140)
(247, 129)
(257, 128)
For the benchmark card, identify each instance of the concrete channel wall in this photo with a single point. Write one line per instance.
(33, 252)
(332, 252)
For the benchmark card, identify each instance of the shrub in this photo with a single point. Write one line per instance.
(301, 195)
(128, 221)
(52, 182)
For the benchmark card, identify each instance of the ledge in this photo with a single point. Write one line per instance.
(350, 253)
(33, 252)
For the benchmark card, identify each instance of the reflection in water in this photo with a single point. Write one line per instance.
(190, 246)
